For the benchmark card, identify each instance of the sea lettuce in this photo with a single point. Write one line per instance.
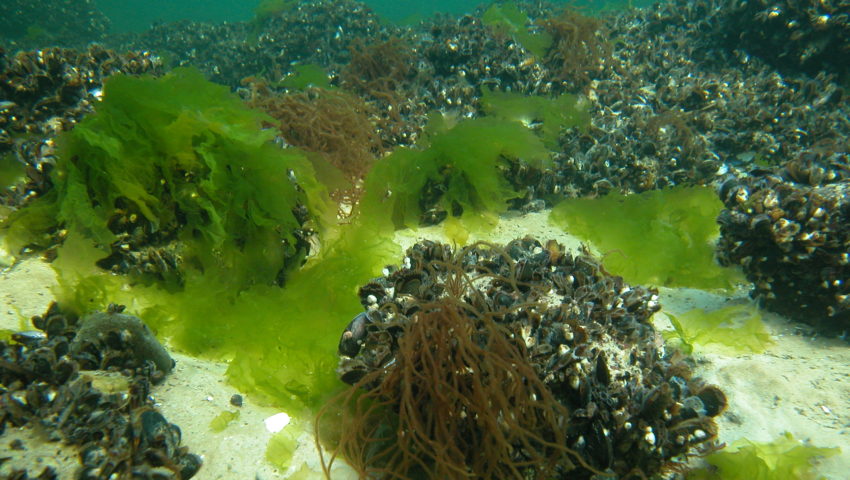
(305, 76)
(507, 18)
(662, 237)
(190, 159)
(785, 458)
(546, 115)
(735, 328)
(466, 162)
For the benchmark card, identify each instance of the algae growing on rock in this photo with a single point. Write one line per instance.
(435, 356)
(181, 161)
(459, 172)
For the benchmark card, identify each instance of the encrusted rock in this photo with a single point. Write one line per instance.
(627, 406)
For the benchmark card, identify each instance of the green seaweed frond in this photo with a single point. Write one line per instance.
(223, 420)
(190, 159)
(661, 237)
(507, 18)
(546, 115)
(464, 163)
(736, 328)
(305, 76)
(785, 458)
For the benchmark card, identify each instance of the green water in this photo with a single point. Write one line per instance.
(135, 15)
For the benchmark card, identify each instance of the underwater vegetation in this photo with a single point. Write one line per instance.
(383, 74)
(459, 172)
(662, 237)
(177, 159)
(735, 328)
(546, 116)
(507, 19)
(785, 458)
(515, 361)
(306, 75)
(380, 70)
(331, 123)
(579, 48)
(450, 361)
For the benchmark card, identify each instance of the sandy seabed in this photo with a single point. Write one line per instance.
(801, 384)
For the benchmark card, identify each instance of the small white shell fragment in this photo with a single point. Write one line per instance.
(277, 422)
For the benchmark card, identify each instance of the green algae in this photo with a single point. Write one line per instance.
(305, 76)
(223, 420)
(467, 160)
(11, 171)
(191, 159)
(734, 329)
(282, 445)
(548, 116)
(785, 458)
(508, 19)
(281, 342)
(663, 237)
(189, 156)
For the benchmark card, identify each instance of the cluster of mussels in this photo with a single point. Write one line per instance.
(794, 35)
(790, 232)
(675, 106)
(310, 32)
(45, 92)
(631, 408)
(44, 386)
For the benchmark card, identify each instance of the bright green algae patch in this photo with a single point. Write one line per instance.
(223, 420)
(507, 18)
(468, 160)
(305, 76)
(785, 458)
(547, 115)
(191, 159)
(187, 155)
(281, 342)
(661, 237)
(736, 329)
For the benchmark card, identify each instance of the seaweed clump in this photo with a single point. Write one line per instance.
(453, 369)
(180, 165)
(331, 123)
(517, 362)
(578, 52)
(381, 70)
(460, 173)
(663, 237)
(383, 73)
